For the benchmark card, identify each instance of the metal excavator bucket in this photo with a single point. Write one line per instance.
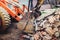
(25, 26)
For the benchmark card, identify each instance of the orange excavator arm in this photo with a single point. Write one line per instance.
(25, 7)
(16, 1)
(18, 10)
(3, 1)
(11, 13)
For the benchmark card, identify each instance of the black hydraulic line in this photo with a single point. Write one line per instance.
(30, 5)
(37, 5)
(36, 9)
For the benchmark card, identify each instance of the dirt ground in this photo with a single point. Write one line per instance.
(12, 34)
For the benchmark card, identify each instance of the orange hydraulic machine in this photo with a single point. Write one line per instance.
(7, 14)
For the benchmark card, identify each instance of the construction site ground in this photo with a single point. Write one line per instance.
(12, 34)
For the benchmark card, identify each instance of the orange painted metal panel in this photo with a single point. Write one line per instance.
(18, 10)
(13, 14)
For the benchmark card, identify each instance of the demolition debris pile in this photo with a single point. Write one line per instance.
(49, 27)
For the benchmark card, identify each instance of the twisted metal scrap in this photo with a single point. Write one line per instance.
(49, 27)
